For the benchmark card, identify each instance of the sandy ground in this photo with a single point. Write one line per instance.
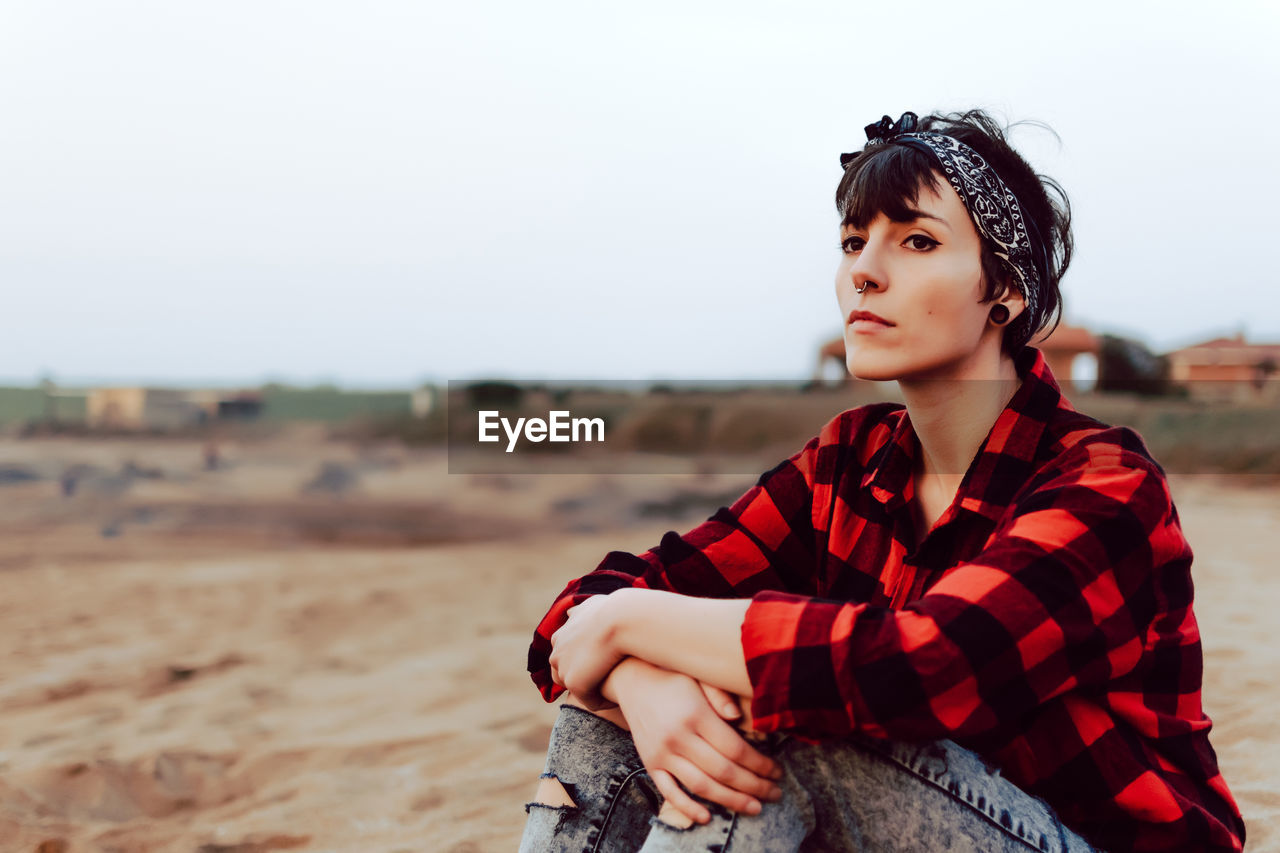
(302, 675)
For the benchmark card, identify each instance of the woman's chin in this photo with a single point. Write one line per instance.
(871, 371)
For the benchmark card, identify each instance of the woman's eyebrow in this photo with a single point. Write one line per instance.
(916, 215)
(920, 214)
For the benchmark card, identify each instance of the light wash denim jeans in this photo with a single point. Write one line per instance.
(858, 793)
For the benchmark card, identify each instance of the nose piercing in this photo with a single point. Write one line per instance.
(865, 284)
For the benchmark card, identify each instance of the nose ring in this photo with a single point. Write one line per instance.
(865, 284)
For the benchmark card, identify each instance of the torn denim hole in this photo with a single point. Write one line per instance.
(933, 761)
(553, 794)
(553, 797)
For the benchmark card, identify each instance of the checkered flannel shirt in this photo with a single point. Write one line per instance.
(1045, 621)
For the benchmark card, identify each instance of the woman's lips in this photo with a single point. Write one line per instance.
(862, 327)
(865, 321)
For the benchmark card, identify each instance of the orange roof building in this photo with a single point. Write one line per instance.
(1062, 347)
(1228, 369)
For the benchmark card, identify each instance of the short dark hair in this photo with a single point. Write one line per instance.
(887, 179)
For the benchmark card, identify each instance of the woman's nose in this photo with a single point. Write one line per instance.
(866, 271)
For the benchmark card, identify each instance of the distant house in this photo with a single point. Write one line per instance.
(246, 405)
(140, 408)
(165, 408)
(1063, 347)
(1228, 370)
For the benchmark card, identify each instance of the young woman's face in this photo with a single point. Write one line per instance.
(924, 280)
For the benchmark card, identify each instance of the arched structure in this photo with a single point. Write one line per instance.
(1061, 348)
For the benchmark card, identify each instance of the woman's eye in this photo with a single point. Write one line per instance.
(849, 245)
(921, 242)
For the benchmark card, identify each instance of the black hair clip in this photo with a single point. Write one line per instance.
(886, 128)
(882, 131)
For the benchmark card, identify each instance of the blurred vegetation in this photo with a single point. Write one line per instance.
(330, 405)
(1194, 437)
(403, 428)
(1127, 365)
(769, 420)
(18, 405)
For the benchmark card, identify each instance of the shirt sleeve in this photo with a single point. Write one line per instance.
(1062, 596)
(765, 540)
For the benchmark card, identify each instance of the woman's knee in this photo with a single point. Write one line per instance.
(585, 749)
(904, 796)
(593, 787)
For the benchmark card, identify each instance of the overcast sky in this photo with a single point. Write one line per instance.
(378, 193)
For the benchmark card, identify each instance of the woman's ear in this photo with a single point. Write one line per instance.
(1011, 300)
(1015, 302)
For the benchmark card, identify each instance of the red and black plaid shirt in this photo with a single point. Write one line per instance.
(1045, 621)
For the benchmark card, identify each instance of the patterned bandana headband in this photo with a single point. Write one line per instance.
(992, 205)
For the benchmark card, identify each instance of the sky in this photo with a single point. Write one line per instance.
(386, 193)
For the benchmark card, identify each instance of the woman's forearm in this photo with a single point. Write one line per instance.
(700, 637)
(610, 689)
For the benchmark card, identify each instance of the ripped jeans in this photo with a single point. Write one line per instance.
(859, 793)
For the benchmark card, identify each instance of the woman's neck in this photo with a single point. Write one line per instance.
(952, 416)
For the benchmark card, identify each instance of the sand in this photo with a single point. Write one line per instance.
(301, 676)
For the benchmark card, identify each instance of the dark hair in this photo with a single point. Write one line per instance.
(887, 179)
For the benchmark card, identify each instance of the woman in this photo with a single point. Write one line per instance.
(962, 623)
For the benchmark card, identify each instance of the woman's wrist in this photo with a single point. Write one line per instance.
(623, 678)
(699, 637)
(626, 618)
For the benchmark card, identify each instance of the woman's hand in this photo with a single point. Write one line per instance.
(583, 651)
(729, 707)
(681, 736)
(735, 709)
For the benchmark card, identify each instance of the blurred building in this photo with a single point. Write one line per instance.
(1228, 370)
(165, 408)
(1071, 352)
(422, 401)
(138, 408)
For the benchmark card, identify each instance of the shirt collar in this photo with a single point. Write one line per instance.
(1005, 460)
